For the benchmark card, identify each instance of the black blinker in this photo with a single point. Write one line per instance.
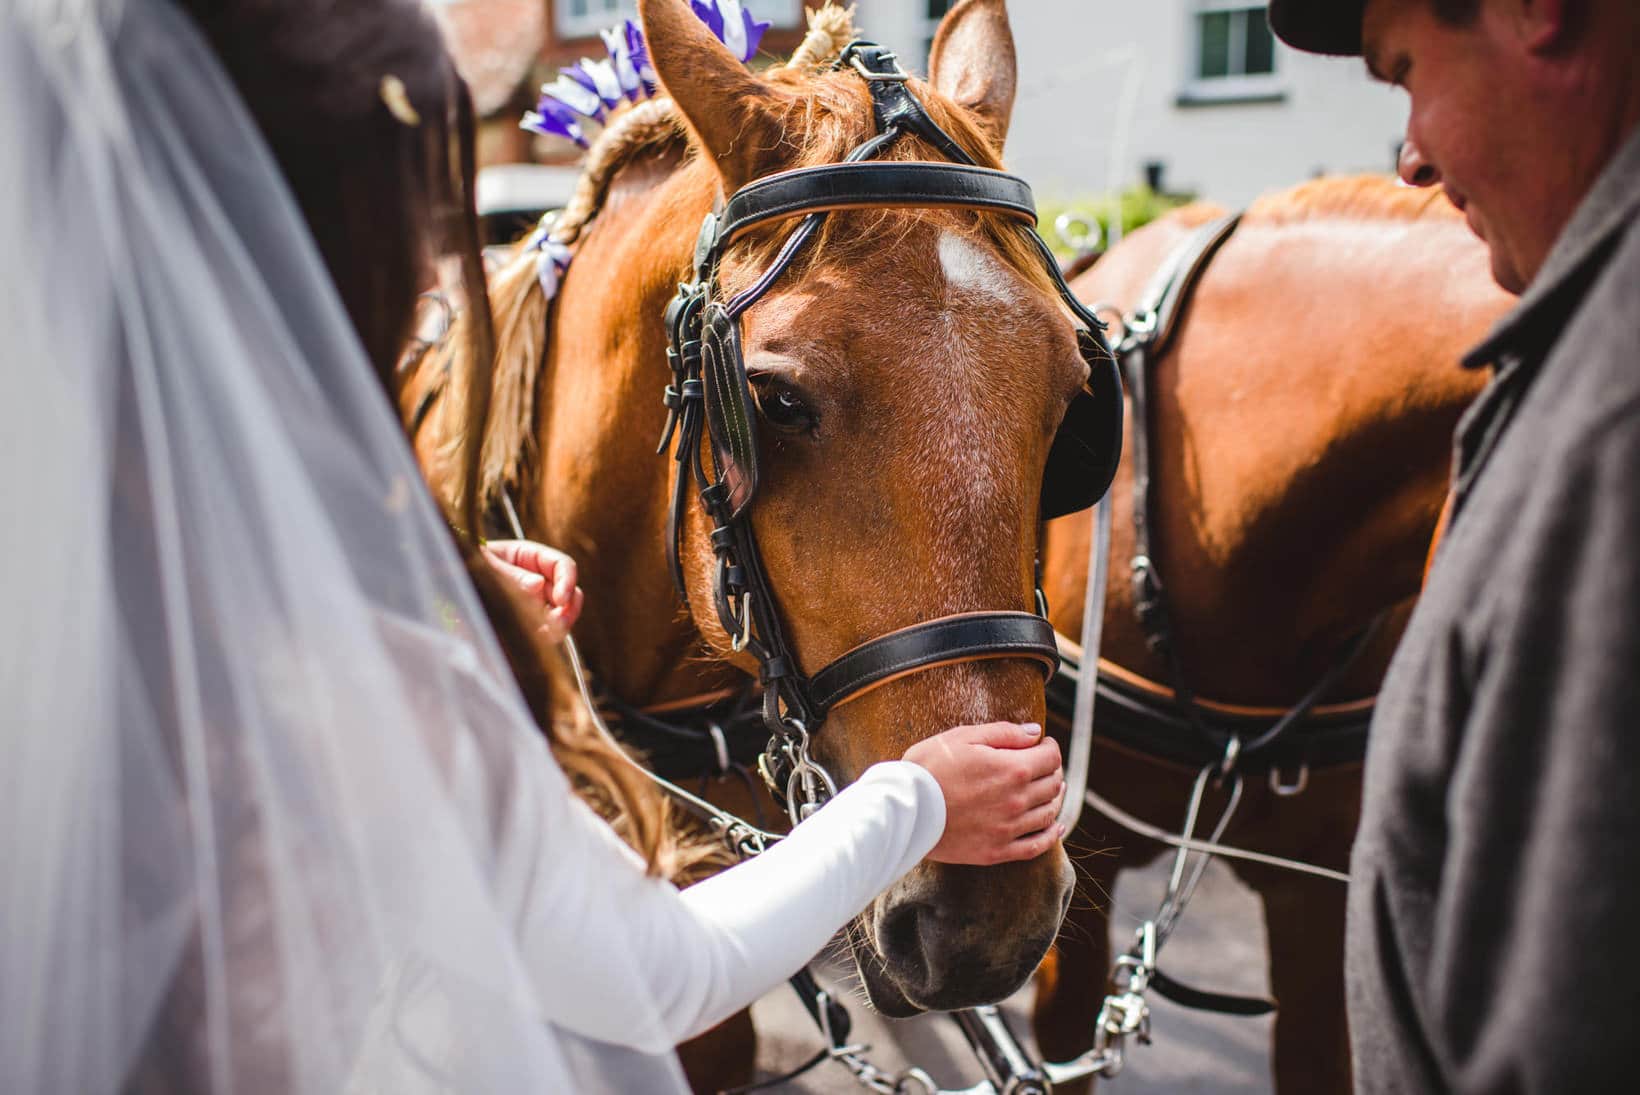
(730, 412)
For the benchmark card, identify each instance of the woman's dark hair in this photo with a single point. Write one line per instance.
(372, 126)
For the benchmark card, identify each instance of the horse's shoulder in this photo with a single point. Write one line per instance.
(1120, 274)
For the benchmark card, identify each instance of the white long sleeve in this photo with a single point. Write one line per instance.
(703, 953)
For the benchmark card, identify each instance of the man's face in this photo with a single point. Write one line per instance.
(1463, 130)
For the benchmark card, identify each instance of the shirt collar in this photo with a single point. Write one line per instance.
(1610, 204)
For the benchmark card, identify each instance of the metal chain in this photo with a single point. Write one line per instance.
(740, 836)
(910, 1081)
(1125, 1012)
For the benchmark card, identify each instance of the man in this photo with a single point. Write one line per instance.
(1494, 917)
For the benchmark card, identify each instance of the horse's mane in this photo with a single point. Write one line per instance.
(1350, 197)
(826, 123)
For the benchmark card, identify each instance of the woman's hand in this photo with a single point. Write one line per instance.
(540, 583)
(1003, 784)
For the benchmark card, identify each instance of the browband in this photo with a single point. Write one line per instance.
(832, 187)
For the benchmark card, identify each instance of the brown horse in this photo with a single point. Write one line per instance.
(910, 373)
(1301, 426)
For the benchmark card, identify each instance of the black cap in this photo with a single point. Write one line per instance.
(1319, 26)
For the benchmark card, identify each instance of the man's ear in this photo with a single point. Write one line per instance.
(737, 120)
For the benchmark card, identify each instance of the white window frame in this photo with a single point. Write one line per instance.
(930, 26)
(783, 14)
(1237, 85)
(566, 24)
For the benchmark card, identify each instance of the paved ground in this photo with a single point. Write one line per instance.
(1218, 945)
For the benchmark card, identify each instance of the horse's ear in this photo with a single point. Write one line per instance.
(972, 62)
(737, 119)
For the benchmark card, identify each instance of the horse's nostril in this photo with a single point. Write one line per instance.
(902, 931)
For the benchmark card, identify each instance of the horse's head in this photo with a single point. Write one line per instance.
(909, 373)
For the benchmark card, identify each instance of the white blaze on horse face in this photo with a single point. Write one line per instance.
(969, 268)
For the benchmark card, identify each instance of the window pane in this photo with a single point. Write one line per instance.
(1260, 46)
(578, 7)
(1215, 39)
(937, 8)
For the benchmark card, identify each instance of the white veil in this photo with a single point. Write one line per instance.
(259, 752)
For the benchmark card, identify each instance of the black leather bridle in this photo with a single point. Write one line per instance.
(710, 392)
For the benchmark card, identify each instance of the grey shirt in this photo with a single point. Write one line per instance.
(1494, 913)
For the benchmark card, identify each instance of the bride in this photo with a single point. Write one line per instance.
(275, 811)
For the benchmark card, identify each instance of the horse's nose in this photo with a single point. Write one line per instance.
(944, 959)
(926, 949)
(904, 931)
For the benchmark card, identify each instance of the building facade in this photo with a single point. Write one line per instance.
(1192, 95)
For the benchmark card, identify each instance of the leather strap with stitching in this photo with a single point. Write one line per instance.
(964, 637)
(1145, 717)
(877, 185)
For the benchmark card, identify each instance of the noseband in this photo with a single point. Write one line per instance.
(709, 391)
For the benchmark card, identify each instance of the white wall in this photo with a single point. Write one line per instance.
(1067, 137)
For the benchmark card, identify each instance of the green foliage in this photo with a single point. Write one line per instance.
(1138, 205)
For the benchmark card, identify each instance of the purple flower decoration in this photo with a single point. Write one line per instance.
(551, 118)
(707, 12)
(599, 76)
(639, 50)
(552, 258)
(734, 27)
(588, 90)
(576, 92)
(619, 45)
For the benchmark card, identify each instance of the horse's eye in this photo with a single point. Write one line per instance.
(782, 406)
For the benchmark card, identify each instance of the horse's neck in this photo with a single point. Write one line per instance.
(1300, 466)
(603, 493)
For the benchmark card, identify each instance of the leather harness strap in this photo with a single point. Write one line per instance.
(950, 639)
(1149, 334)
(831, 188)
(1151, 329)
(1144, 717)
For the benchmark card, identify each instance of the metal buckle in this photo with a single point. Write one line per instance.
(1080, 233)
(705, 246)
(738, 642)
(898, 76)
(720, 745)
(1137, 329)
(1288, 790)
(808, 786)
